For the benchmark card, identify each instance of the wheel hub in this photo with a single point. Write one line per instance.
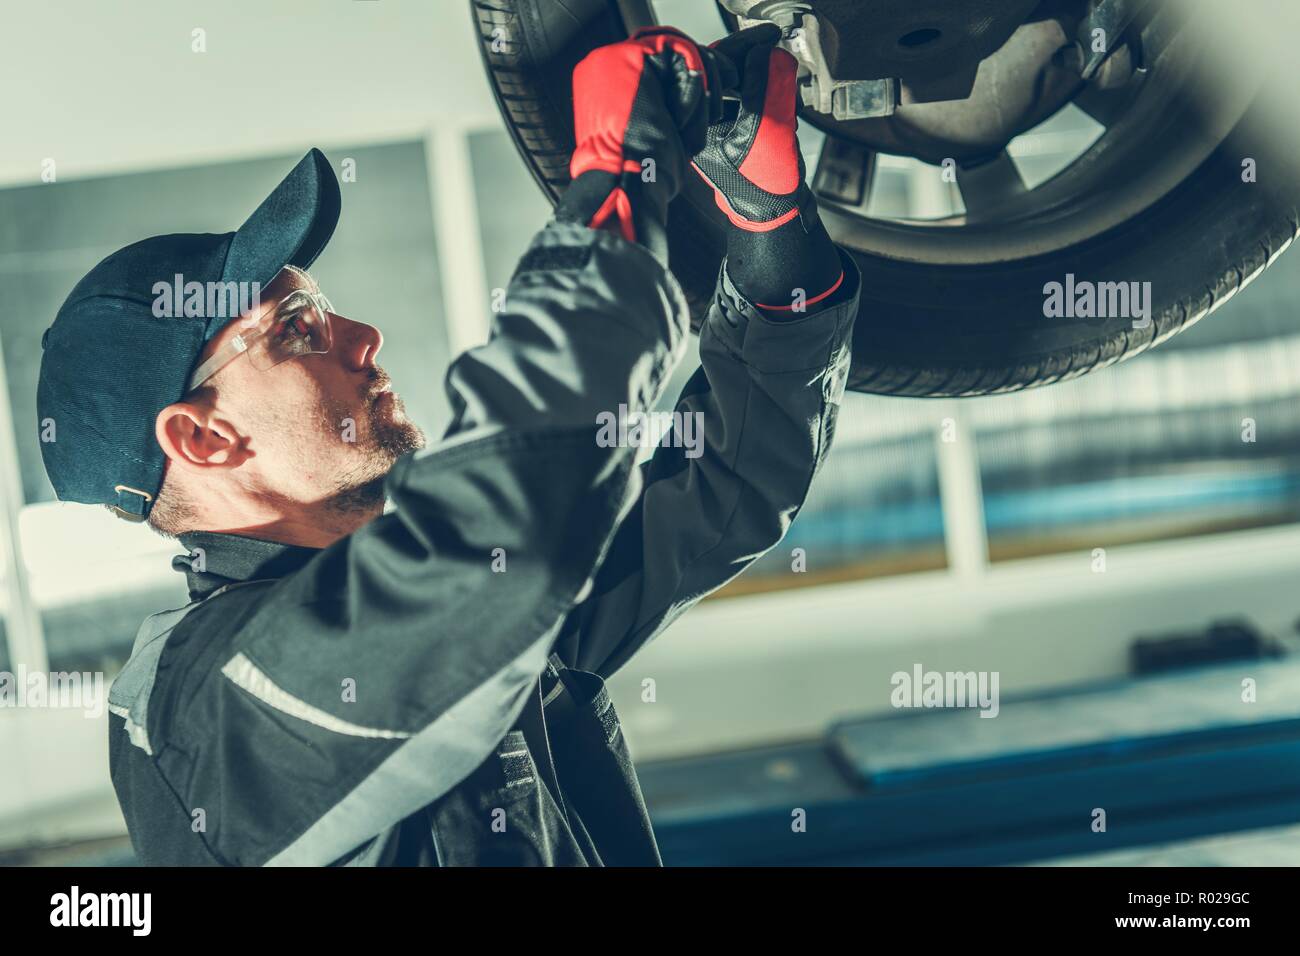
(930, 79)
(922, 44)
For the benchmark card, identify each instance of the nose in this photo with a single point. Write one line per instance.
(357, 342)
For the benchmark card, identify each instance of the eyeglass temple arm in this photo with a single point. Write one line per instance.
(216, 360)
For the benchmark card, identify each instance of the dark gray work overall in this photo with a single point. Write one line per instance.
(598, 816)
(393, 699)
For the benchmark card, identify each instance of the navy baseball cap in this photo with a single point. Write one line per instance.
(110, 364)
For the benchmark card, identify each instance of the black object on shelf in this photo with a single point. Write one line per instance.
(1232, 640)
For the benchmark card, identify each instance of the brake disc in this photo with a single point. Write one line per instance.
(936, 80)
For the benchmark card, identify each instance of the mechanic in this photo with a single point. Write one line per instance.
(361, 687)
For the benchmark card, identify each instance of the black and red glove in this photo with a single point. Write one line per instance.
(641, 108)
(778, 253)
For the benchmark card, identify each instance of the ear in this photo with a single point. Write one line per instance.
(193, 436)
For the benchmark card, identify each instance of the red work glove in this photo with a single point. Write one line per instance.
(778, 253)
(650, 98)
(751, 157)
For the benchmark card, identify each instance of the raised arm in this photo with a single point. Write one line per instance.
(767, 392)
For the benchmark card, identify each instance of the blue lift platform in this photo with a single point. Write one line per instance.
(1167, 758)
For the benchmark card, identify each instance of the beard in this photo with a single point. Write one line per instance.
(390, 435)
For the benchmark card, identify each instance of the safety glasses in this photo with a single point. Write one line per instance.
(299, 326)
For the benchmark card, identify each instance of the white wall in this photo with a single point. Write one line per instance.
(105, 86)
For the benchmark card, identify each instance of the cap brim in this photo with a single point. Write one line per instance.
(291, 226)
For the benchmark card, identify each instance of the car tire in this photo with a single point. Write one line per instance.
(927, 329)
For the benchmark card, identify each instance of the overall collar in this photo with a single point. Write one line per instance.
(215, 560)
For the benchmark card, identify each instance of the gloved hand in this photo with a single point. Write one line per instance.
(650, 98)
(778, 253)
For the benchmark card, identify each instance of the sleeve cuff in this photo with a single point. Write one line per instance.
(815, 341)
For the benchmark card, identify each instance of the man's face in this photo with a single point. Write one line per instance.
(318, 429)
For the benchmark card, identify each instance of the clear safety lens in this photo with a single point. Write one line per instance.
(300, 327)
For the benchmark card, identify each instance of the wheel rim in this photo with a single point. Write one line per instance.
(1156, 131)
